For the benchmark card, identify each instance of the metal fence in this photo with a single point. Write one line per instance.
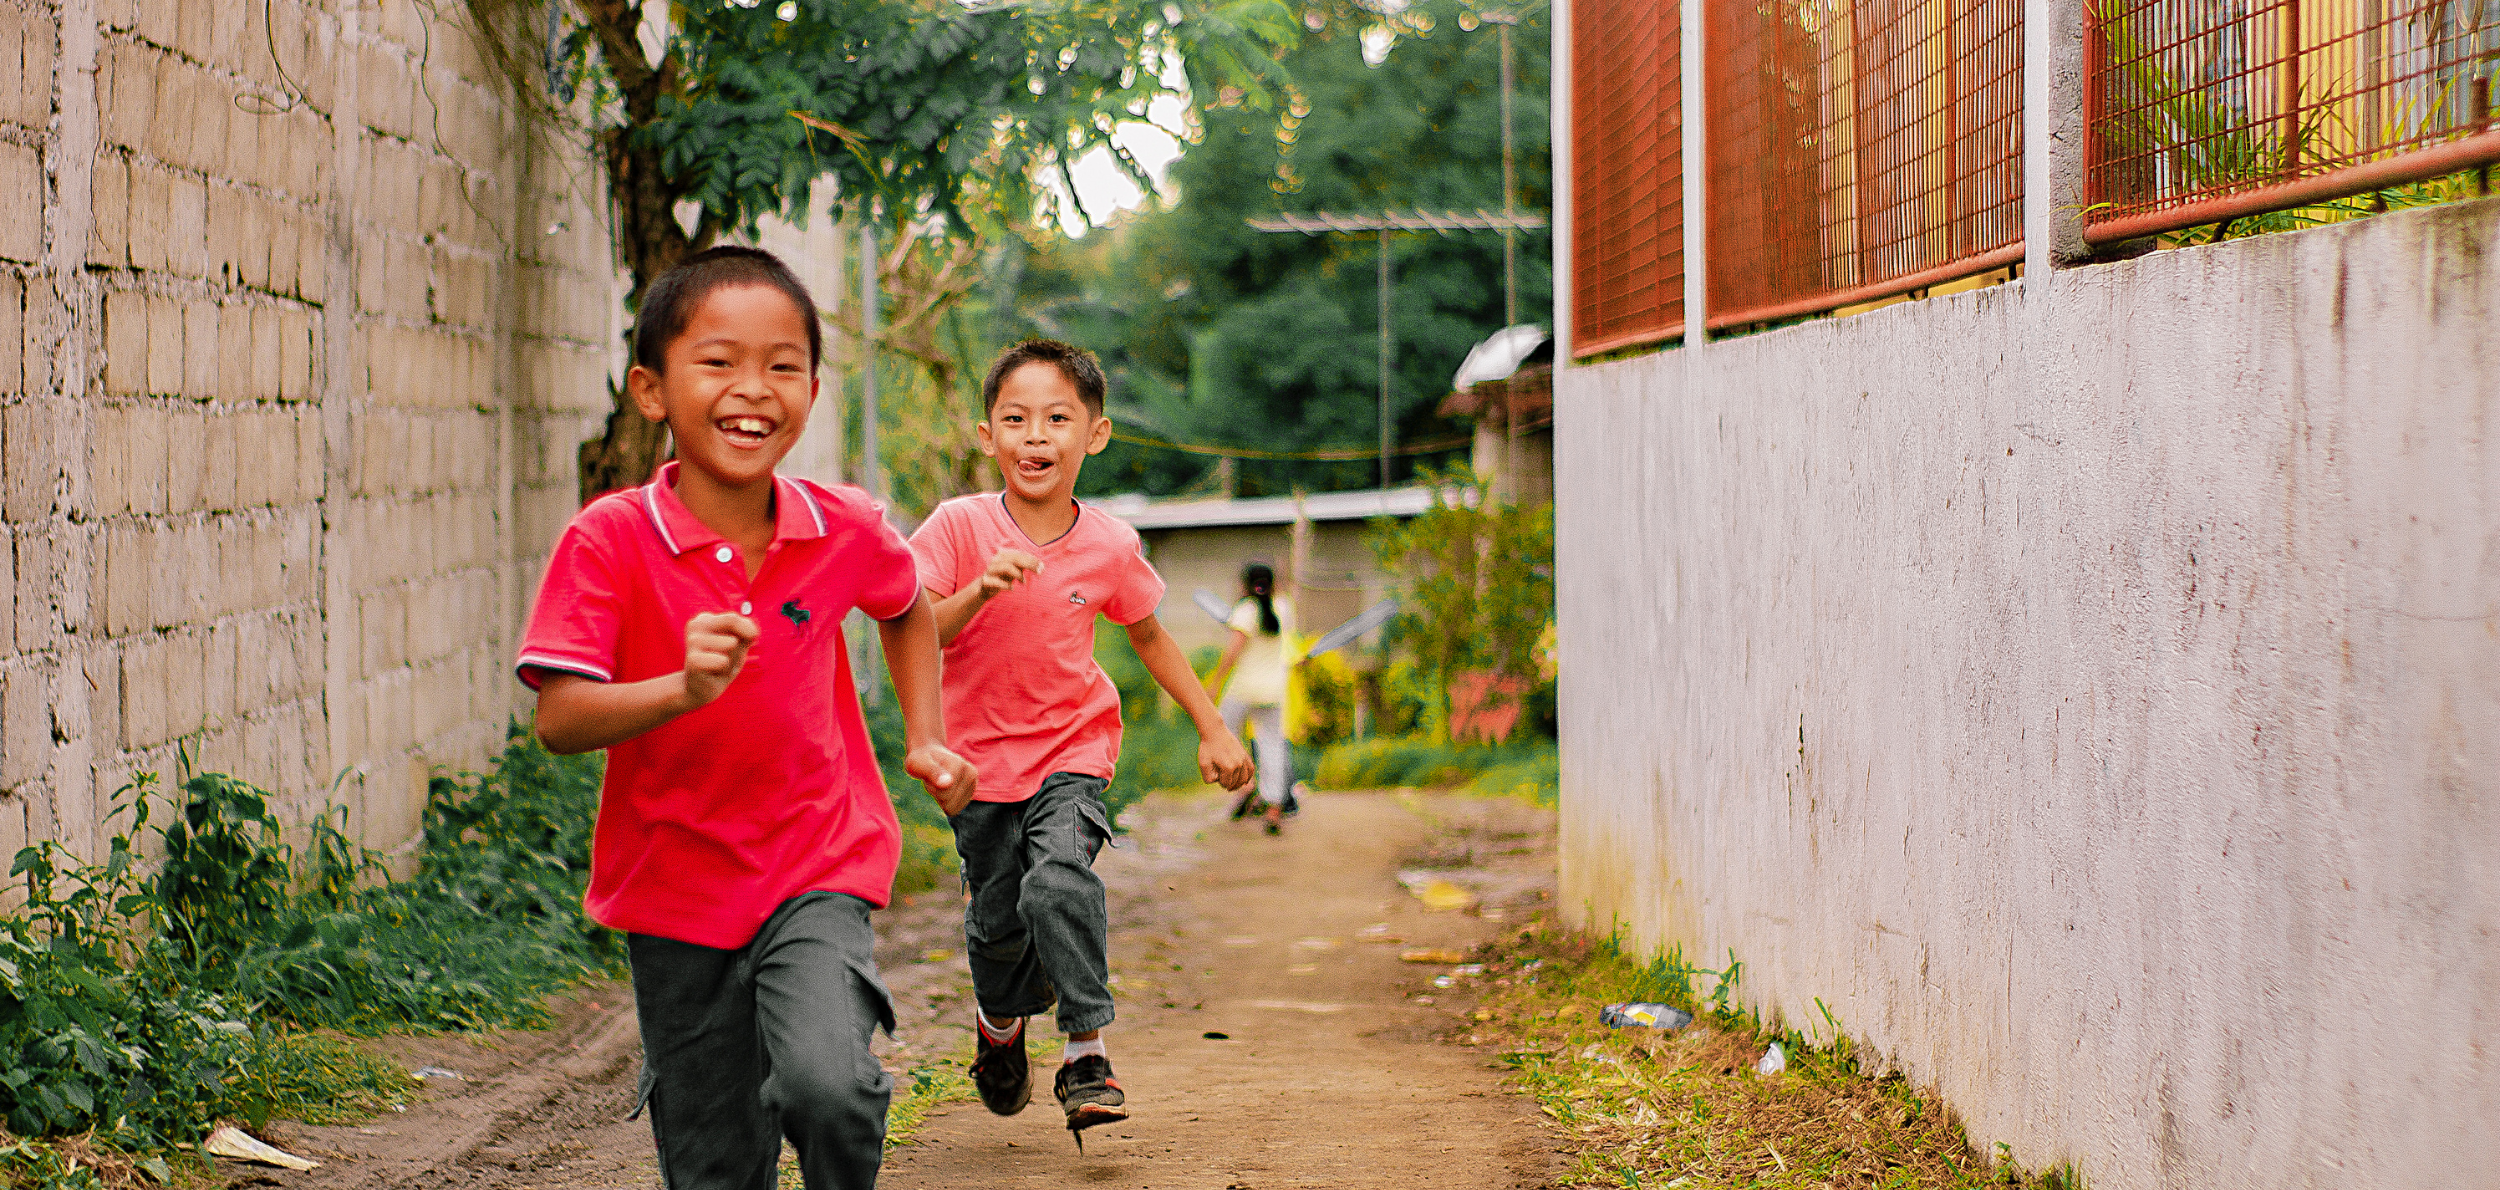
(1859, 149)
(2203, 111)
(1627, 181)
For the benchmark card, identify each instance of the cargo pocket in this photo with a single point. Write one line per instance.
(1091, 810)
(869, 1072)
(880, 1001)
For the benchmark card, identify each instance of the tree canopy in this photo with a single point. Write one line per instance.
(1217, 333)
(926, 107)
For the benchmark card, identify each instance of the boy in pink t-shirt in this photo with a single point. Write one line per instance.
(692, 627)
(1017, 578)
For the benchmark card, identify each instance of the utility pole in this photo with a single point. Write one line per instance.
(1441, 222)
(1510, 253)
(1385, 422)
(871, 467)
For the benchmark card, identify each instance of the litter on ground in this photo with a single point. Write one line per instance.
(233, 1142)
(1644, 1015)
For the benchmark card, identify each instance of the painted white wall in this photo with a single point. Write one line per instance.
(818, 253)
(2089, 688)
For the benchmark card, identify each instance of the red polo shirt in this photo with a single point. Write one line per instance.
(1023, 696)
(711, 820)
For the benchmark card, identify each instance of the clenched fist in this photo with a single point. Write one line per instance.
(950, 779)
(716, 649)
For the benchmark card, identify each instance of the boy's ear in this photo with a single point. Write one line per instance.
(1101, 436)
(981, 436)
(643, 385)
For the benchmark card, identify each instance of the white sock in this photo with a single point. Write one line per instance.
(1078, 1049)
(992, 1029)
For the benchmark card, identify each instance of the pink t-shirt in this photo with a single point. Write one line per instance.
(710, 821)
(1023, 696)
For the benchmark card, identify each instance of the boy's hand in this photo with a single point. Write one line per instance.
(716, 649)
(1008, 567)
(1222, 760)
(949, 778)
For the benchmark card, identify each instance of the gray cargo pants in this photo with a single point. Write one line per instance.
(744, 1047)
(1038, 927)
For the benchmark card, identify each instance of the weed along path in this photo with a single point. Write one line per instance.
(1333, 1062)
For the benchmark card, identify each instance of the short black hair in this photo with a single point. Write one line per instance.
(671, 300)
(1076, 363)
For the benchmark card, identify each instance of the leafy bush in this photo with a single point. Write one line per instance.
(1529, 770)
(142, 1007)
(1476, 586)
(106, 1027)
(1325, 689)
(1158, 743)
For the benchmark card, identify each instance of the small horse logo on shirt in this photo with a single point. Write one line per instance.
(1076, 599)
(798, 616)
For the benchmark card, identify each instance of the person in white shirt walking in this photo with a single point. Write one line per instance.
(1254, 661)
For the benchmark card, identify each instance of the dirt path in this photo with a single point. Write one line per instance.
(1338, 1067)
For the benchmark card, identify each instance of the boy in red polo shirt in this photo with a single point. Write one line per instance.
(692, 627)
(1017, 578)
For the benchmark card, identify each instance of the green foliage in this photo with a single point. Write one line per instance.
(1648, 1107)
(1535, 778)
(91, 1040)
(934, 103)
(143, 1007)
(1325, 691)
(1476, 585)
(1158, 743)
(1529, 770)
(1215, 332)
(224, 879)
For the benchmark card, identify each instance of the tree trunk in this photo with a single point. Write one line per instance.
(643, 202)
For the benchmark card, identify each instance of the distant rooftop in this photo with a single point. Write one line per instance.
(1147, 514)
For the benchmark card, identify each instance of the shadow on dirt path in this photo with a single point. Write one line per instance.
(1335, 1070)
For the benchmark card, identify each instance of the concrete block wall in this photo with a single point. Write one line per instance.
(301, 326)
(2088, 688)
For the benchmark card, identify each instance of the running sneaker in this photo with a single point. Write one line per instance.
(1085, 1087)
(999, 1071)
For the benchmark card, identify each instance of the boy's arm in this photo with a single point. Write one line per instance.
(911, 656)
(1221, 758)
(577, 714)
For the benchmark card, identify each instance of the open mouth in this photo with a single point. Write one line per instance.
(1034, 467)
(745, 431)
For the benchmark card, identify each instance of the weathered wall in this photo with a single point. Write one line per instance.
(300, 332)
(2090, 690)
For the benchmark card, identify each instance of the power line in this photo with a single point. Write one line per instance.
(1337, 455)
(1443, 222)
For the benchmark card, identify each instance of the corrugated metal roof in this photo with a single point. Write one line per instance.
(1266, 510)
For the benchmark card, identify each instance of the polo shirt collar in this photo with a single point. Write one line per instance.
(796, 515)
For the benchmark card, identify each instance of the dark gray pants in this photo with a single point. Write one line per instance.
(1038, 927)
(744, 1047)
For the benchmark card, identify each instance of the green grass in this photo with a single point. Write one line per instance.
(1530, 770)
(1652, 1108)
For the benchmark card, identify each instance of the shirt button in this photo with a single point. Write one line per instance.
(721, 554)
(746, 609)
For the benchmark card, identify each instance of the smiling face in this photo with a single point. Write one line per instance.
(736, 388)
(1040, 431)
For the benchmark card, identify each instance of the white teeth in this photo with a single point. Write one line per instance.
(746, 425)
